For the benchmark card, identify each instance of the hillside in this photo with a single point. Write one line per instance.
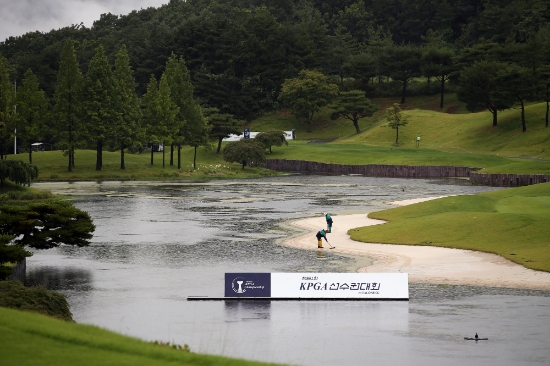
(464, 137)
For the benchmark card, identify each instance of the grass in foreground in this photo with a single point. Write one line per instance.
(34, 339)
(513, 223)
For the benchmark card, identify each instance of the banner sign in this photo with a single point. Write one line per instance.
(318, 285)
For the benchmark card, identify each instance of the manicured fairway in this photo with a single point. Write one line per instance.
(513, 223)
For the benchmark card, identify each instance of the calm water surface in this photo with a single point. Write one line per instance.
(157, 243)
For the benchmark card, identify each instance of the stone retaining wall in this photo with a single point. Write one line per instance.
(370, 170)
(508, 180)
(408, 171)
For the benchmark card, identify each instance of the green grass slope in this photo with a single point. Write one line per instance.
(34, 339)
(460, 139)
(472, 132)
(513, 223)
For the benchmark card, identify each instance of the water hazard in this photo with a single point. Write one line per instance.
(157, 243)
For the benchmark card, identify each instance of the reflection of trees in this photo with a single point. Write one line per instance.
(246, 310)
(60, 279)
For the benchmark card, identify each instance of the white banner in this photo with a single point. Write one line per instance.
(340, 285)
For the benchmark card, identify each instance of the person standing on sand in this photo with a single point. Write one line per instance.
(329, 222)
(321, 234)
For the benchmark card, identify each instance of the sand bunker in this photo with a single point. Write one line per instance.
(423, 263)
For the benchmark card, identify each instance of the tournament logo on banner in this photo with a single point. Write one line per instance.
(248, 285)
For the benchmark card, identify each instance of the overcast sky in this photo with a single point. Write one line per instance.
(18, 17)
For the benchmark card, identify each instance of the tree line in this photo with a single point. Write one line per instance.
(240, 52)
(237, 60)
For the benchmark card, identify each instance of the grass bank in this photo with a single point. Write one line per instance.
(37, 299)
(52, 166)
(513, 223)
(34, 339)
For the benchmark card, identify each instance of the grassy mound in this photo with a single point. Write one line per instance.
(34, 339)
(36, 299)
(513, 223)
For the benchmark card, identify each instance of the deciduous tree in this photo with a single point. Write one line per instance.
(244, 151)
(271, 138)
(307, 93)
(395, 118)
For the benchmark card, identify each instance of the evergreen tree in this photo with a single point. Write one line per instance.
(196, 132)
(353, 105)
(516, 83)
(99, 109)
(68, 102)
(181, 92)
(222, 125)
(167, 111)
(479, 88)
(150, 113)
(402, 64)
(7, 107)
(438, 62)
(32, 110)
(127, 128)
(10, 253)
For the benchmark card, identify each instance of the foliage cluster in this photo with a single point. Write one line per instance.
(35, 219)
(17, 171)
(14, 295)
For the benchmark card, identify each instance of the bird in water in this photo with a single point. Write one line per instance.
(476, 336)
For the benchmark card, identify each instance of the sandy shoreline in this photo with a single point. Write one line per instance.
(424, 264)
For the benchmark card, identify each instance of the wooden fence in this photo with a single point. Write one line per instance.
(407, 171)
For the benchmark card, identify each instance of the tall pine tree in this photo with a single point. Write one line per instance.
(127, 128)
(167, 111)
(68, 102)
(7, 107)
(32, 110)
(100, 113)
(150, 113)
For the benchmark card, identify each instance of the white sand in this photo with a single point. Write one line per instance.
(423, 263)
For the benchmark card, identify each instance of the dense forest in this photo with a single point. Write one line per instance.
(237, 54)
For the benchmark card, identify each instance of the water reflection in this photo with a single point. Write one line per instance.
(60, 278)
(159, 242)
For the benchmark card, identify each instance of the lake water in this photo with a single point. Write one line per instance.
(157, 243)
